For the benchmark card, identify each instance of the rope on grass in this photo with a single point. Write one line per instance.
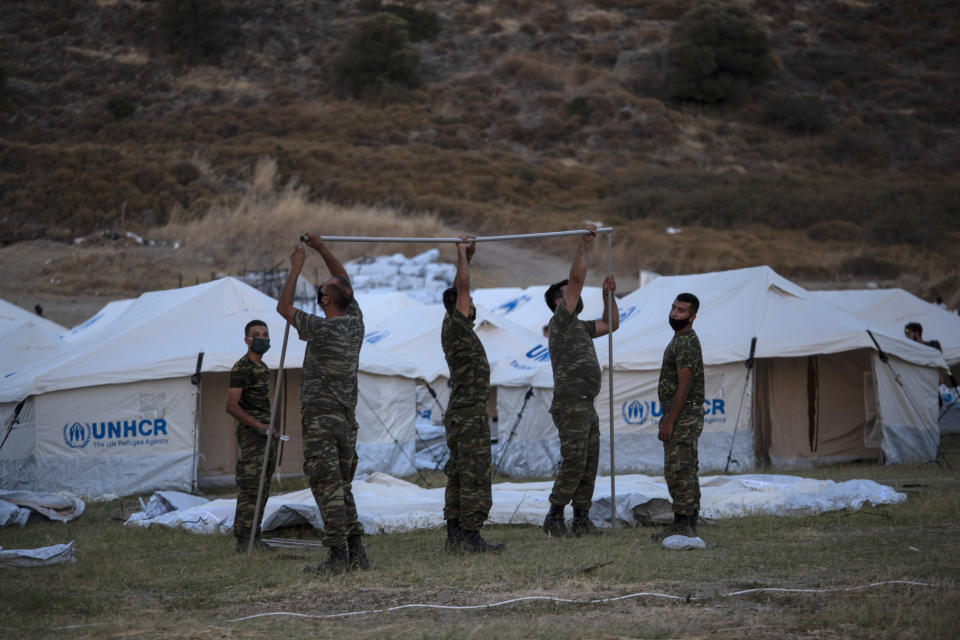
(640, 594)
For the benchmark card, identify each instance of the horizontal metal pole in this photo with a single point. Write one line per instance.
(518, 236)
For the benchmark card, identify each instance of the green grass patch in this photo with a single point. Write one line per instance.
(159, 582)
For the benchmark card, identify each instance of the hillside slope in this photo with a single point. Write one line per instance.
(529, 116)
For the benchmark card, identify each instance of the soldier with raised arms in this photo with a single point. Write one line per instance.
(328, 399)
(468, 495)
(576, 382)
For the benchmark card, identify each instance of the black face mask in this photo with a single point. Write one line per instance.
(260, 345)
(677, 325)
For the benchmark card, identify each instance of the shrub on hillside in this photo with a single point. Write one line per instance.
(378, 56)
(193, 28)
(715, 52)
(797, 114)
(121, 107)
(422, 24)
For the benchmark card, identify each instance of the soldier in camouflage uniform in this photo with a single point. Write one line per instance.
(328, 399)
(576, 382)
(468, 496)
(248, 400)
(681, 395)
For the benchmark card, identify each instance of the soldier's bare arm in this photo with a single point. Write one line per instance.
(578, 270)
(465, 251)
(611, 315)
(285, 302)
(235, 410)
(333, 265)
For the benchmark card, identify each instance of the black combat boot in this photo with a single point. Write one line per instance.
(693, 524)
(582, 525)
(358, 555)
(454, 540)
(474, 542)
(553, 524)
(679, 527)
(337, 562)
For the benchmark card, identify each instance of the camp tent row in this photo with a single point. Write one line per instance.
(817, 389)
(115, 410)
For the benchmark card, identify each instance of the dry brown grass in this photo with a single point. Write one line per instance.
(261, 228)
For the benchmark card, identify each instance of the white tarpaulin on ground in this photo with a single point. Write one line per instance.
(389, 505)
(42, 557)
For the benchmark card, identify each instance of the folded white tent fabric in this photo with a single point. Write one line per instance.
(389, 505)
(11, 514)
(55, 506)
(42, 557)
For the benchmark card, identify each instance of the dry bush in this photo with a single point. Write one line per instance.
(249, 228)
(528, 72)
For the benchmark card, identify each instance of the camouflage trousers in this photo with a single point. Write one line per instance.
(329, 462)
(681, 463)
(469, 470)
(579, 430)
(249, 464)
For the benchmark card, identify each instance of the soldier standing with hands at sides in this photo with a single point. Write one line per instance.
(576, 382)
(328, 399)
(248, 400)
(469, 470)
(681, 395)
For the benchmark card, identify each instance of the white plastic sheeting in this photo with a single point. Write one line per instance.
(61, 507)
(388, 505)
(44, 556)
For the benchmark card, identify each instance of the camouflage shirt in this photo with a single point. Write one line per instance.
(576, 369)
(329, 377)
(682, 352)
(254, 379)
(469, 367)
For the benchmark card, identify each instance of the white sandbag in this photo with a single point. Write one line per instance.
(683, 543)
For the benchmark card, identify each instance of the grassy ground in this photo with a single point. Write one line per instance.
(129, 582)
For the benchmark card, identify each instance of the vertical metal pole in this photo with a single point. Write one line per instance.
(266, 453)
(613, 469)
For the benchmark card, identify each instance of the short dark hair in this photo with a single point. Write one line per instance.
(913, 326)
(553, 292)
(935, 344)
(340, 292)
(692, 299)
(450, 299)
(251, 324)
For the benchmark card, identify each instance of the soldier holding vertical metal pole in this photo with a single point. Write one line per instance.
(576, 382)
(328, 398)
(248, 400)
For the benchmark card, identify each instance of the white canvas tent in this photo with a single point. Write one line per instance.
(888, 310)
(26, 338)
(818, 391)
(115, 411)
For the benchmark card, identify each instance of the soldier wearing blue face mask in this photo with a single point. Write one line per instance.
(248, 400)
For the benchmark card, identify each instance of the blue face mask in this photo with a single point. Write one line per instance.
(260, 345)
